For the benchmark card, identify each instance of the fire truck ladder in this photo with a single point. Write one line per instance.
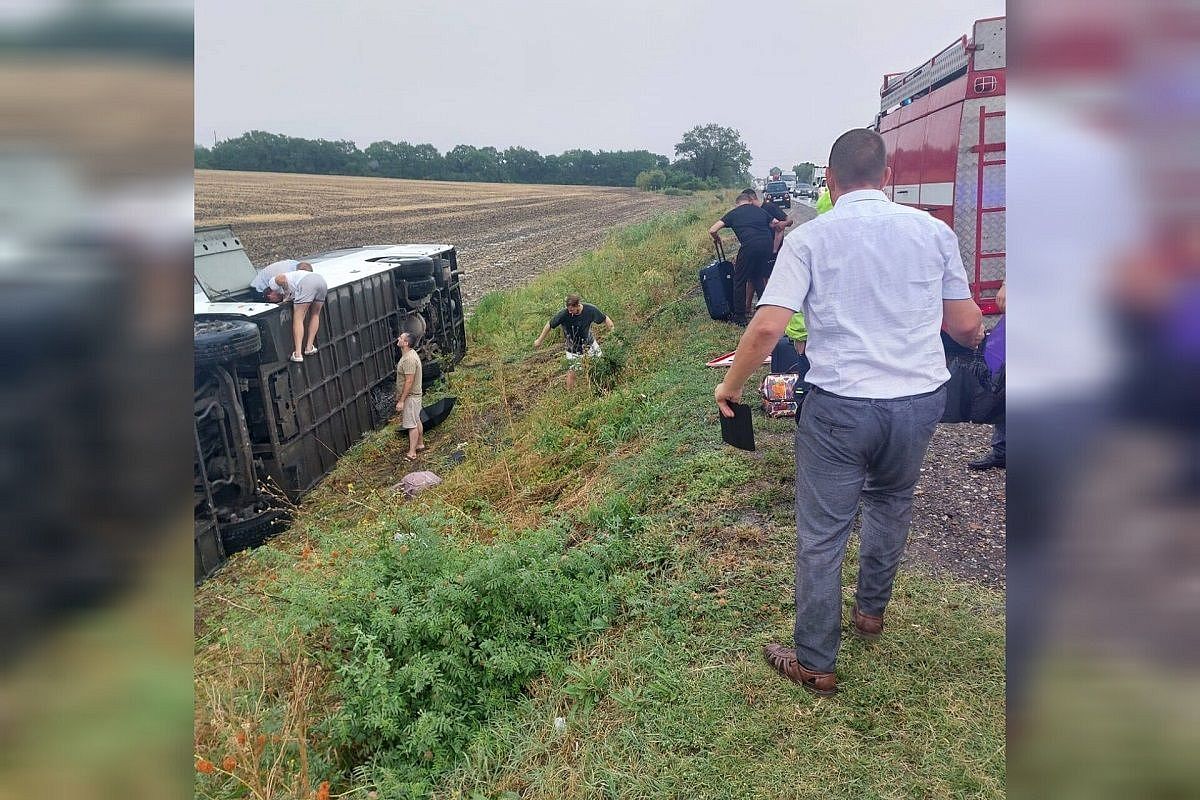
(898, 87)
(982, 148)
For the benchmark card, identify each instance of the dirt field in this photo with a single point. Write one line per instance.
(77, 109)
(503, 232)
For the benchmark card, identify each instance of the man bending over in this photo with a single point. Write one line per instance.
(576, 321)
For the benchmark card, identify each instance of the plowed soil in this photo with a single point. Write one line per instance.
(504, 232)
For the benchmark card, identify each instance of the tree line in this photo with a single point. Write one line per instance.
(708, 156)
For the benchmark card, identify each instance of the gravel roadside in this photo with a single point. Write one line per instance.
(959, 523)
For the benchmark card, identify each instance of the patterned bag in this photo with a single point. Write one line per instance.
(781, 394)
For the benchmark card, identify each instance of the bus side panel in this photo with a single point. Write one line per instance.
(332, 390)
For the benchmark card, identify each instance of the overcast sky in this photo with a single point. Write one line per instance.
(554, 75)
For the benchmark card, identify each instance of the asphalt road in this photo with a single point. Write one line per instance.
(801, 211)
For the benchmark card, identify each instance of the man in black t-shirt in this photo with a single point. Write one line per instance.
(752, 226)
(780, 224)
(576, 320)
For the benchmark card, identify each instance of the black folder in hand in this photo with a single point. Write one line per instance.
(738, 430)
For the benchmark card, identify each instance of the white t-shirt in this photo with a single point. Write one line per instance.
(294, 279)
(870, 276)
(266, 276)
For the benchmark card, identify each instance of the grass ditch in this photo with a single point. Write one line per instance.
(576, 611)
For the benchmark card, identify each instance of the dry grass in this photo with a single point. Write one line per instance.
(238, 692)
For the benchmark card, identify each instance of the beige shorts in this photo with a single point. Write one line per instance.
(311, 290)
(410, 416)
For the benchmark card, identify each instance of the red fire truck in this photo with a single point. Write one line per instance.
(943, 123)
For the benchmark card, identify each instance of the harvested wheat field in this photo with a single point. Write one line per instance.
(504, 232)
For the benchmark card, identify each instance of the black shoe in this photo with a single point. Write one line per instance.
(990, 461)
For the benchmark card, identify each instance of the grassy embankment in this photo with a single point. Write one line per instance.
(577, 611)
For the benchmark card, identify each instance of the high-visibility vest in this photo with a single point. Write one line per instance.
(823, 202)
(796, 330)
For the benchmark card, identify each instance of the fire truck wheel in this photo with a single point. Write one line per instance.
(217, 341)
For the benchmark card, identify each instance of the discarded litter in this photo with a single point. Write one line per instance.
(727, 361)
(414, 483)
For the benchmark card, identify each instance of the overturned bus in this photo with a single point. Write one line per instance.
(265, 425)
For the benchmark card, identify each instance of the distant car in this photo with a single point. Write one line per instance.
(777, 192)
(806, 190)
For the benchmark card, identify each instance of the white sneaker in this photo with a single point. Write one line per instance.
(312, 351)
(297, 357)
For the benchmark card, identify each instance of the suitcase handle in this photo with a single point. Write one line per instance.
(720, 249)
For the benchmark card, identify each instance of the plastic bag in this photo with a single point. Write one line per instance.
(414, 483)
(781, 394)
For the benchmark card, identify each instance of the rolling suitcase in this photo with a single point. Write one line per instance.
(717, 282)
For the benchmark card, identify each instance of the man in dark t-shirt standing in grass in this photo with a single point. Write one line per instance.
(752, 226)
(576, 321)
(778, 227)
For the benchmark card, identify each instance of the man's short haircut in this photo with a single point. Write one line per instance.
(406, 336)
(573, 300)
(747, 194)
(858, 158)
(304, 265)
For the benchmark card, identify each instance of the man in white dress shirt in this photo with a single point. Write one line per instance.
(876, 281)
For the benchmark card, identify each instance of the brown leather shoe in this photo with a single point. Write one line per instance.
(866, 626)
(783, 660)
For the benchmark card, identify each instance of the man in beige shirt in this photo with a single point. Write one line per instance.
(408, 394)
